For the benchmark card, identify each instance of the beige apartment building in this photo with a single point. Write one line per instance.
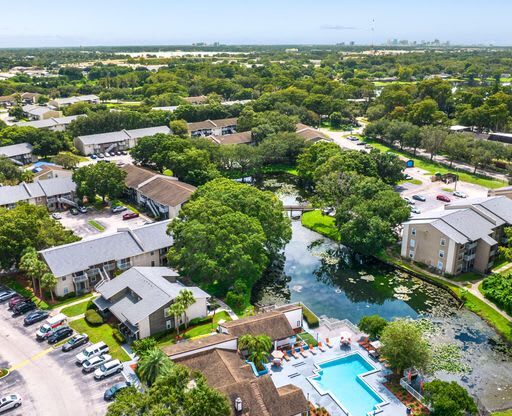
(459, 237)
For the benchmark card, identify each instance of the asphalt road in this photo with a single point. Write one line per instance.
(48, 380)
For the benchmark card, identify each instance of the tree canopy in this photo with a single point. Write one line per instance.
(103, 179)
(449, 399)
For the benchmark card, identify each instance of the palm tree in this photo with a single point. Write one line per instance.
(258, 358)
(152, 365)
(177, 309)
(258, 348)
(214, 305)
(48, 281)
(186, 298)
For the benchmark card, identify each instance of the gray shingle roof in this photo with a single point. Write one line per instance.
(153, 291)
(35, 110)
(75, 257)
(16, 149)
(119, 136)
(49, 122)
(26, 191)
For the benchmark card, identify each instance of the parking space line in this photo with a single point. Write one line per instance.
(33, 358)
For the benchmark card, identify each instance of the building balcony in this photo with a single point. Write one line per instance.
(469, 257)
(80, 279)
(471, 246)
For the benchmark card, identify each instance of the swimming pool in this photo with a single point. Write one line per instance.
(342, 379)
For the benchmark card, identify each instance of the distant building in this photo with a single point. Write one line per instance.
(16, 99)
(200, 99)
(58, 103)
(501, 137)
(48, 171)
(207, 128)
(162, 195)
(311, 134)
(459, 237)
(140, 300)
(39, 112)
(53, 123)
(116, 140)
(244, 137)
(458, 129)
(505, 191)
(21, 153)
(80, 266)
(55, 194)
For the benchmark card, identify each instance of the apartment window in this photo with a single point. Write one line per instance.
(440, 265)
(441, 253)
(460, 256)
(167, 312)
(152, 253)
(168, 324)
(152, 264)
(413, 231)
(63, 278)
(411, 254)
(412, 243)
(443, 242)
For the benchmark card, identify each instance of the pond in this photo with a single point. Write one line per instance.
(315, 271)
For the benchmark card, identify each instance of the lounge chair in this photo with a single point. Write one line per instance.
(311, 349)
(321, 346)
(286, 357)
(294, 353)
(363, 341)
(328, 342)
(303, 352)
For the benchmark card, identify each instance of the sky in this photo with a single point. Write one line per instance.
(30, 23)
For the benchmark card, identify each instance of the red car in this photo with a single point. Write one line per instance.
(15, 300)
(443, 198)
(130, 215)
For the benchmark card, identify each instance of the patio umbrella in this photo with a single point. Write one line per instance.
(376, 344)
(277, 354)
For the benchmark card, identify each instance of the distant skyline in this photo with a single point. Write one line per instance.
(160, 22)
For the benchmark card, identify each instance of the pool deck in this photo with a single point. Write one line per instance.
(297, 370)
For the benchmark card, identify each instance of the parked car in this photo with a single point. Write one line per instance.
(407, 177)
(124, 152)
(101, 155)
(56, 216)
(460, 194)
(443, 198)
(419, 198)
(107, 369)
(94, 157)
(95, 350)
(17, 298)
(50, 325)
(118, 208)
(409, 200)
(73, 211)
(59, 334)
(110, 394)
(75, 341)
(82, 210)
(352, 138)
(23, 307)
(361, 143)
(11, 401)
(35, 316)
(90, 365)
(6, 295)
(130, 215)
(118, 153)
(415, 210)
(368, 146)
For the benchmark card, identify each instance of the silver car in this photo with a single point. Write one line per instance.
(11, 401)
(107, 369)
(90, 365)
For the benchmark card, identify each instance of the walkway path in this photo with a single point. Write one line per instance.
(225, 307)
(59, 308)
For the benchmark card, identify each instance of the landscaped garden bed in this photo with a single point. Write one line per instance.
(418, 409)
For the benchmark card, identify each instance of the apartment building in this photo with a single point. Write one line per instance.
(20, 153)
(207, 128)
(52, 123)
(80, 266)
(459, 237)
(67, 101)
(39, 112)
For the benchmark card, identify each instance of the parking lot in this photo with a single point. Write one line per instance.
(47, 379)
(81, 226)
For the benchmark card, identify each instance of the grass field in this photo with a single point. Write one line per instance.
(101, 333)
(72, 300)
(28, 293)
(75, 310)
(322, 224)
(505, 413)
(433, 167)
(96, 225)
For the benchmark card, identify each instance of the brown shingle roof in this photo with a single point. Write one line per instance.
(225, 371)
(200, 99)
(211, 124)
(243, 137)
(167, 191)
(136, 175)
(212, 340)
(274, 324)
(309, 133)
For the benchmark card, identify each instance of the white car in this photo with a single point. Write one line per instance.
(107, 369)
(415, 210)
(460, 194)
(56, 216)
(11, 401)
(90, 365)
(409, 201)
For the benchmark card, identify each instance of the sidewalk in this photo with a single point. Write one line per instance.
(225, 307)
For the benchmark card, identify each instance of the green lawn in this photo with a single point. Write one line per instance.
(101, 333)
(127, 204)
(280, 168)
(433, 167)
(195, 331)
(467, 277)
(75, 310)
(505, 413)
(308, 338)
(72, 300)
(322, 224)
(96, 225)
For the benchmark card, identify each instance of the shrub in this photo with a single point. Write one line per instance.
(498, 288)
(373, 325)
(200, 321)
(235, 301)
(310, 317)
(118, 336)
(93, 318)
(91, 305)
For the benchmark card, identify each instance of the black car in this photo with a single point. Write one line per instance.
(59, 334)
(75, 341)
(111, 393)
(36, 316)
(73, 211)
(419, 198)
(22, 308)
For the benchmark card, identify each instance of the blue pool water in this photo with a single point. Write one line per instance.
(340, 378)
